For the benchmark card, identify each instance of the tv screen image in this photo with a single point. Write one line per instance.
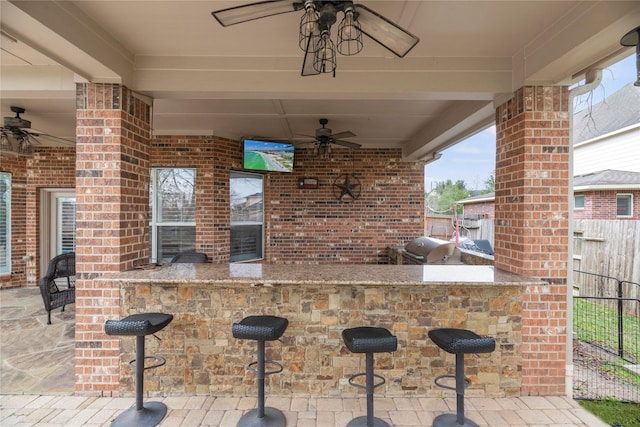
(268, 156)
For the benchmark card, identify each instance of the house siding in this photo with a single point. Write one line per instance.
(620, 150)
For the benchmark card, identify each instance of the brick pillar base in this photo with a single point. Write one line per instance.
(112, 202)
(532, 224)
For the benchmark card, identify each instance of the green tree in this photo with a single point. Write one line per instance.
(445, 195)
(489, 184)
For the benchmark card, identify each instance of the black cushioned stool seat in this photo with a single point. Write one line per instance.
(265, 328)
(458, 342)
(140, 325)
(261, 329)
(369, 340)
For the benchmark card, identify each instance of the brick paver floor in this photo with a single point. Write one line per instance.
(191, 411)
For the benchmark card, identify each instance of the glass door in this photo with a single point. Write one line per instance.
(57, 224)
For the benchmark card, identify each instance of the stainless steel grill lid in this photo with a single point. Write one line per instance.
(430, 250)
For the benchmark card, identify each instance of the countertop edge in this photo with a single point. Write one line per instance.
(258, 275)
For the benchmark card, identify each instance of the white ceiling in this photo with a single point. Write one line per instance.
(244, 80)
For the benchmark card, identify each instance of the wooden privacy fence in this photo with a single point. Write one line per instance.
(439, 226)
(608, 248)
(472, 226)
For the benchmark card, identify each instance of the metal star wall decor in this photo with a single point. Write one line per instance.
(346, 188)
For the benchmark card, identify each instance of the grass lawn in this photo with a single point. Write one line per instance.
(614, 413)
(597, 323)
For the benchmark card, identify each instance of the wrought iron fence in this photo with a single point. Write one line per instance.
(606, 347)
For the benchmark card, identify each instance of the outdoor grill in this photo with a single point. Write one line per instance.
(426, 250)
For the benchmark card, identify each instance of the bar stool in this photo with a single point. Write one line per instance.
(261, 329)
(140, 325)
(458, 342)
(369, 340)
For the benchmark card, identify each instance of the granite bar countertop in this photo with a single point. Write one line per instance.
(255, 274)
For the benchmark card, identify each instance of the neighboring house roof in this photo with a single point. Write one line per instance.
(603, 180)
(480, 198)
(607, 180)
(617, 111)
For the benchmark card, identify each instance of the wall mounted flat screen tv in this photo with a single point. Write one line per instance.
(268, 156)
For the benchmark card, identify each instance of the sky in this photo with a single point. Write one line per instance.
(473, 160)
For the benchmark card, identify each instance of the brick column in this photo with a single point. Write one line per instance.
(112, 203)
(532, 224)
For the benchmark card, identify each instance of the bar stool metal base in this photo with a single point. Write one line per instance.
(150, 415)
(362, 422)
(272, 418)
(458, 342)
(451, 420)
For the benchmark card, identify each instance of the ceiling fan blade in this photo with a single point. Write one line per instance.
(307, 63)
(57, 139)
(303, 143)
(345, 134)
(249, 12)
(348, 144)
(31, 137)
(386, 33)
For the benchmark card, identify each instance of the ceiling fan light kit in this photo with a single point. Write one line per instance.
(324, 54)
(307, 25)
(13, 139)
(314, 36)
(16, 144)
(325, 138)
(5, 144)
(17, 137)
(349, 34)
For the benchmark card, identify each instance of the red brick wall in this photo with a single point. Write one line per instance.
(305, 225)
(112, 199)
(487, 209)
(311, 225)
(301, 225)
(48, 168)
(602, 205)
(532, 159)
(532, 226)
(212, 158)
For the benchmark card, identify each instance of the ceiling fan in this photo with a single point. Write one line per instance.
(315, 29)
(324, 138)
(17, 137)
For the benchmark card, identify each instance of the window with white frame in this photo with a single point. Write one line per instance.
(624, 204)
(173, 212)
(247, 219)
(5, 223)
(66, 226)
(578, 201)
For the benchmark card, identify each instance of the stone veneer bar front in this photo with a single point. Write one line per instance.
(319, 301)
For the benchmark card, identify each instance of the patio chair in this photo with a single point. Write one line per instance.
(60, 272)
